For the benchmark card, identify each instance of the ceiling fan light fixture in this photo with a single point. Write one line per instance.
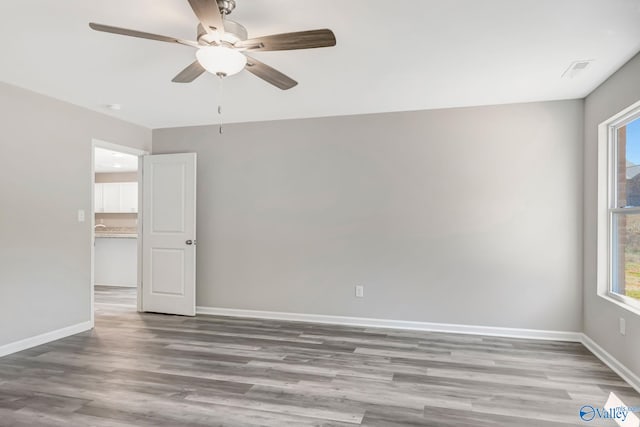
(222, 44)
(221, 60)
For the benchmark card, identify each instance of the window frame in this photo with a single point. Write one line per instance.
(607, 195)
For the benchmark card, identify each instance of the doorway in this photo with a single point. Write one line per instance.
(116, 229)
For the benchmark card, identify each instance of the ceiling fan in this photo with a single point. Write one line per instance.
(223, 44)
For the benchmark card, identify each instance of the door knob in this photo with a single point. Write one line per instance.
(189, 242)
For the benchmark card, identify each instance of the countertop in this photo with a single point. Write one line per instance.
(116, 235)
(117, 232)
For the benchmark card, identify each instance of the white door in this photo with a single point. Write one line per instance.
(169, 233)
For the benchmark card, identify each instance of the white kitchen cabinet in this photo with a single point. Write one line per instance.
(98, 198)
(129, 197)
(111, 196)
(116, 197)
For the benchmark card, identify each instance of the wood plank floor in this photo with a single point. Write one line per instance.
(155, 370)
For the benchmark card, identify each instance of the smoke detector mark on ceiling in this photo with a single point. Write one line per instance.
(576, 68)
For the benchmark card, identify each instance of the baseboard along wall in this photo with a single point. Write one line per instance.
(615, 365)
(44, 338)
(396, 324)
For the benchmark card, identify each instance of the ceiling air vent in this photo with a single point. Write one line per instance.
(575, 68)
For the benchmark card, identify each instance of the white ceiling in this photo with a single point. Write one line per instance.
(114, 161)
(391, 55)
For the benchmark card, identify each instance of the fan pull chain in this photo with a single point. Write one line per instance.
(222, 76)
(220, 104)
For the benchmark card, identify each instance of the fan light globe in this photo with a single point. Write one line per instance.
(221, 60)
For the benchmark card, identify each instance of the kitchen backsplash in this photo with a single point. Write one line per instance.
(117, 177)
(117, 220)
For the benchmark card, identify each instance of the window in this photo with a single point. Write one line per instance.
(623, 213)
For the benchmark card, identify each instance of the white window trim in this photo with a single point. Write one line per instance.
(606, 189)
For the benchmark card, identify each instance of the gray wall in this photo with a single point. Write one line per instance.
(466, 216)
(601, 316)
(45, 177)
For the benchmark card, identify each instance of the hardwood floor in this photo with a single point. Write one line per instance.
(115, 296)
(155, 370)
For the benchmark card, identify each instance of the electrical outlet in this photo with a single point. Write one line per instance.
(359, 291)
(623, 326)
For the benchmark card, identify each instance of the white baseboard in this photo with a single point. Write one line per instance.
(612, 362)
(26, 343)
(397, 324)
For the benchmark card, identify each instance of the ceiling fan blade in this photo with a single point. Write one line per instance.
(289, 41)
(189, 74)
(269, 74)
(140, 34)
(209, 15)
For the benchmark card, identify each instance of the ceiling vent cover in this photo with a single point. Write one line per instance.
(575, 68)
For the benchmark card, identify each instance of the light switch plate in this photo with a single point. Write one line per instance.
(80, 215)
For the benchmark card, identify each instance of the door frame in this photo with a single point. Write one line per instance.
(127, 150)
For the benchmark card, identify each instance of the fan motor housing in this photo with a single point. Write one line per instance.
(233, 33)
